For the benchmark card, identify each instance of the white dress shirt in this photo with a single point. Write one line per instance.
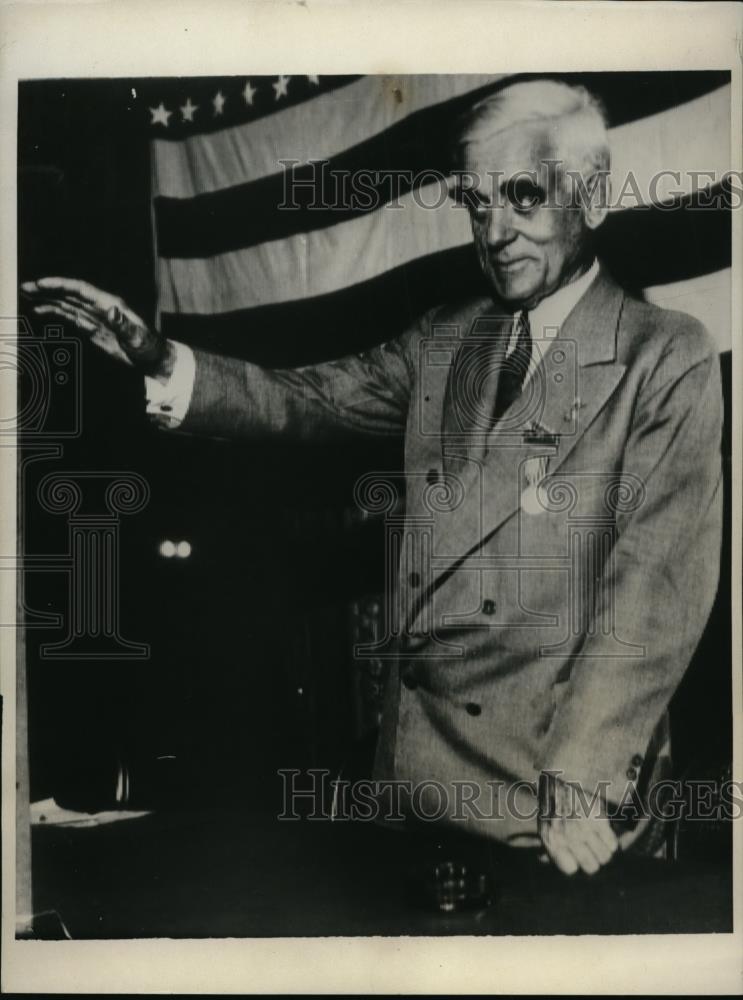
(168, 402)
(546, 319)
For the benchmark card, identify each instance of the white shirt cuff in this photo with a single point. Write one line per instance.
(168, 402)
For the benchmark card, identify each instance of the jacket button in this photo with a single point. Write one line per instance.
(414, 579)
(631, 773)
(472, 708)
(432, 476)
(637, 760)
(409, 680)
(488, 607)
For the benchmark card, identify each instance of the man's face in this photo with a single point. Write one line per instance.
(529, 242)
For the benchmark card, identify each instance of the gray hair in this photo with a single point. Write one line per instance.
(576, 118)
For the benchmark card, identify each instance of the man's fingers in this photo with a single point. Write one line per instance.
(67, 312)
(69, 308)
(585, 846)
(49, 309)
(602, 851)
(102, 338)
(606, 843)
(74, 286)
(114, 312)
(556, 847)
(91, 317)
(603, 830)
(72, 289)
(70, 298)
(60, 297)
(70, 286)
(131, 334)
(578, 845)
(39, 296)
(585, 857)
(131, 331)
(109, 343)
(563, 858)
(82, 295)
(118, 319)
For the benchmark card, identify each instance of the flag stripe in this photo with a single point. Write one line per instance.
(349, 115)
(310, 264)
(343, 321)
(708, 298)
(331, 123)
(673, 242)
(669, 244)
(695, 135)
(302, 331)
(239, 274)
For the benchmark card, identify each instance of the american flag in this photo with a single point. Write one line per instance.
(241, 272)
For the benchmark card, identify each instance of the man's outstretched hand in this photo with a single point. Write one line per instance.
(106, 318)
(573, 837)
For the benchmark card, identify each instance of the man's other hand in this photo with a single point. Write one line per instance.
(576, 834)
(106, 318)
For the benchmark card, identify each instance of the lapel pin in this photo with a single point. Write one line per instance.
(576, 405)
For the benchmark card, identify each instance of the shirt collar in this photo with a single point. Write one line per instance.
(552, 311)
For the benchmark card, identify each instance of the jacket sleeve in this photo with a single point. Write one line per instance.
(659, 584)
(364, 393)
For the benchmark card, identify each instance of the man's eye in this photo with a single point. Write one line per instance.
(524, 194)
(470, 200)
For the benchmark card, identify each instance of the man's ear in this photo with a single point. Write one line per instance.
(596, 206)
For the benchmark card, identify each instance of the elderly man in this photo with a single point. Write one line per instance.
(563, 491)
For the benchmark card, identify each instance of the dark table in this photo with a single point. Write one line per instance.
(241, 873)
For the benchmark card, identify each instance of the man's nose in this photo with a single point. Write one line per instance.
(499, 226)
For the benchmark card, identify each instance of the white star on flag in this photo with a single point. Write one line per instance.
(187, 110)
(281, 86)
(249, 92)
(314, 80)
(218, 102)
(160, 115)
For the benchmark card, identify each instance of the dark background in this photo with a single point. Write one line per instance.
(264, 606)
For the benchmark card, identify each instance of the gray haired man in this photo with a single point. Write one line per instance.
(571, 553)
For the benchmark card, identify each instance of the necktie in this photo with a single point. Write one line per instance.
(514, 369)
(486, 379)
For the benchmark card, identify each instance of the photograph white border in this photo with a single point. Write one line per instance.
(169, 37)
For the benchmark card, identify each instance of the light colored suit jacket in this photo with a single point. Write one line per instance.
(538, 631)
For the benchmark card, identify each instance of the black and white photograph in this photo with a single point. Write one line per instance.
(372, 448)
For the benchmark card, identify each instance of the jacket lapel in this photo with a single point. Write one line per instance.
(576, 376)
